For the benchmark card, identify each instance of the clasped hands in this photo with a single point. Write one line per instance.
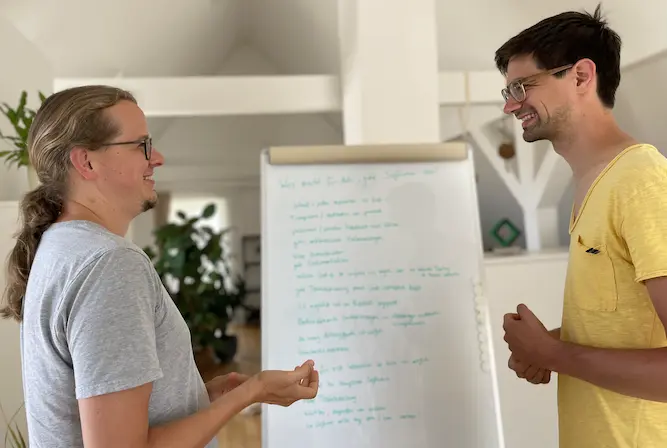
(531, 345)
(281, 387)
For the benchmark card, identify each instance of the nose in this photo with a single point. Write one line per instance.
(511, 106)
(157, 159)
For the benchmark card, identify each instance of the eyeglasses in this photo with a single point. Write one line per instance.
(516, 88)
(147, 143)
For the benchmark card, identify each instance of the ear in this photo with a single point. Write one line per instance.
(585, 73)
(82, 163)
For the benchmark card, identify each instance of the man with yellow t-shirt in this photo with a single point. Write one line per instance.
(611, 350)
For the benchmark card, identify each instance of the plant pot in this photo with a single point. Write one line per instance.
(225, 349)
(33, 179)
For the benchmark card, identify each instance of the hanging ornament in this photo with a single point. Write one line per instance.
(507, 153)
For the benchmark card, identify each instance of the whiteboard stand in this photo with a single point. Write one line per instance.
(372, 265)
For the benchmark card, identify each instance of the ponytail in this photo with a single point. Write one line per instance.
(40, 208)
(74, 117)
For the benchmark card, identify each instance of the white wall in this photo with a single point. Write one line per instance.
(11, 383)
(640, 109)
(25, 69)
(530, 414)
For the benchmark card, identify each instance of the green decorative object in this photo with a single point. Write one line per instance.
(505, 232)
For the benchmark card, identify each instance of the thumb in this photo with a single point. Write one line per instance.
(524, 312)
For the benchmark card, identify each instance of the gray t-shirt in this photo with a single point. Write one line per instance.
(97, 320)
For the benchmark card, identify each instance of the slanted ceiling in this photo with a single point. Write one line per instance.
(84, 38)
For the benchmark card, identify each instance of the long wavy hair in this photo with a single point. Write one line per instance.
(66, 119)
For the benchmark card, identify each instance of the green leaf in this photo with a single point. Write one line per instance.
(209, 211)
(21, 119)
(17, 440)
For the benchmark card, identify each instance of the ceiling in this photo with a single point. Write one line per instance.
(84, 38)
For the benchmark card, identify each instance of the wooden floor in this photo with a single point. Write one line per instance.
(243, 431)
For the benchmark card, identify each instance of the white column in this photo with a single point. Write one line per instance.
(389, 71)
(547, 223)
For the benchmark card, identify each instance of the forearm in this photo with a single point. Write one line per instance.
(637, 373)
(198, 429)
(555, 332)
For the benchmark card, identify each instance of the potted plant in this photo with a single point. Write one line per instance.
(13, 436)
(21, 119)
(194, 265)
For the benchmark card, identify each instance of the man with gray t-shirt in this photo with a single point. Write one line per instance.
(92, 294)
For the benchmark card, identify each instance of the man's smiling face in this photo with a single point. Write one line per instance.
(545, 108)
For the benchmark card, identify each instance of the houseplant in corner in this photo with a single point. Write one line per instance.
(194, 265)
(20, 119)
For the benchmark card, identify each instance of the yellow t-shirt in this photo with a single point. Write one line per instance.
(617, 240)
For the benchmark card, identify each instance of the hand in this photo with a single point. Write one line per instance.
(527, 339)
(222, 384)
(286, 387)
(532, 374)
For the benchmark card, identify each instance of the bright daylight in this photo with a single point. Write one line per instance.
(333, 223)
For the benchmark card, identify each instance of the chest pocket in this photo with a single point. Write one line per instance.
(591, 279)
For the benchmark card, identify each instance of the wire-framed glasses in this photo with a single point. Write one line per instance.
(516, 89)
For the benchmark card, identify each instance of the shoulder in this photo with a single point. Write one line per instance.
(112, 278)
(119, 261)
(637, 196)
(638, 168)
(118, 266)
(637, 179)
(84, 246)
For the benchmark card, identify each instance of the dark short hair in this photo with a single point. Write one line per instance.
(565, 39)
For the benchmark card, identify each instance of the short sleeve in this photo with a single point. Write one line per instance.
(644, 228)
(110, 324)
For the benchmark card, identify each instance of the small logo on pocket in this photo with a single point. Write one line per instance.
(593, 251)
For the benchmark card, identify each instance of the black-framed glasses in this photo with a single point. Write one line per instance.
(516, 89)
(147, 144)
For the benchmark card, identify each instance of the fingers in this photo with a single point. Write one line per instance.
(308, 380)
(311, 385)
(284, 388)
(518, 367)
(509, 318)
(314, 383)
(240, 378)
(533, 374)
(543, 376)
(303, 371)
(302, 380)
(537, 377)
